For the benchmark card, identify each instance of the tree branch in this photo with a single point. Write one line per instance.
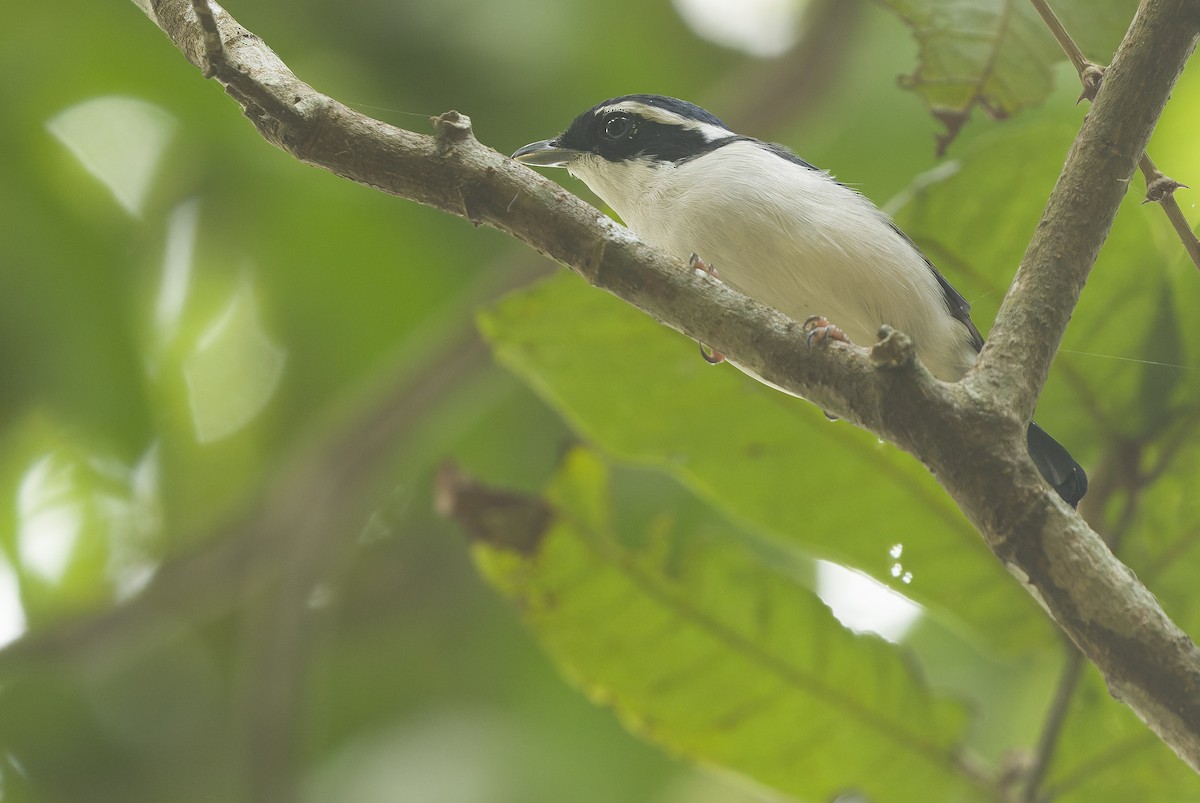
(1160, 189)
(1079, 214)
(970, 434)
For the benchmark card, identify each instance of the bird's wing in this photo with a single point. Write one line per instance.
(955, 303)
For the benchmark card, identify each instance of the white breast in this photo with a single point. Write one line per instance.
(790, 237)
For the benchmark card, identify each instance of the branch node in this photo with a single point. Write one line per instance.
(1091, 76)
(1160, 188)
(452, 128)
(895, 350)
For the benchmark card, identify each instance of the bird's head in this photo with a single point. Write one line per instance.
(616, 146)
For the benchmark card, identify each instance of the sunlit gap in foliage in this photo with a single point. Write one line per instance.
(85, 531)
(49, 518)
(176, 268)
(234, 369)
(763, 28)
(12, 612)
(863, 604)
(118, 140)
(231, 363)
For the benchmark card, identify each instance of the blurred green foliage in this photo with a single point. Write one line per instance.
(228, 380)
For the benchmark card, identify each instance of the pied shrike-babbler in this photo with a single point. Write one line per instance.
(777, 229)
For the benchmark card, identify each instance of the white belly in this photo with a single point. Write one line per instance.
(799, 242)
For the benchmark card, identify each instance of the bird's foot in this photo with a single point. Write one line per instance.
(710, 355)
(818, 329)
(700, 266)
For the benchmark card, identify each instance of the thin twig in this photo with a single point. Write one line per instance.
(1059, 31)
(1160, 189)
(1056, 717)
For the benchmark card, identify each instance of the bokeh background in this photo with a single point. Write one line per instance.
(228, 380)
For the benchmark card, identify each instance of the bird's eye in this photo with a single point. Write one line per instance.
(617, 125)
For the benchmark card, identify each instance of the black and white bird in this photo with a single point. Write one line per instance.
(779, 230)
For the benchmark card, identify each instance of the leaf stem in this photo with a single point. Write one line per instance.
(1060, 33)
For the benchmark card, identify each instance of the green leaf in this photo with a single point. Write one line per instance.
(712, 648)
(1162, 354)
(1124, 366)
(1106, 755)
(1124, 395)
(998, 54)
(645, 395)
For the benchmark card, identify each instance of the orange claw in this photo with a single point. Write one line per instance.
(818, 329)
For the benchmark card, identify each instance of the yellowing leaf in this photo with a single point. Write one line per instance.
(712, 648)
(998, 54)
(644, 395)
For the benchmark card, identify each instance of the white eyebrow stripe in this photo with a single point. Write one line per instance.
(710, 132)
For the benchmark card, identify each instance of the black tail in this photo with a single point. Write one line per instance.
(1056, 465)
